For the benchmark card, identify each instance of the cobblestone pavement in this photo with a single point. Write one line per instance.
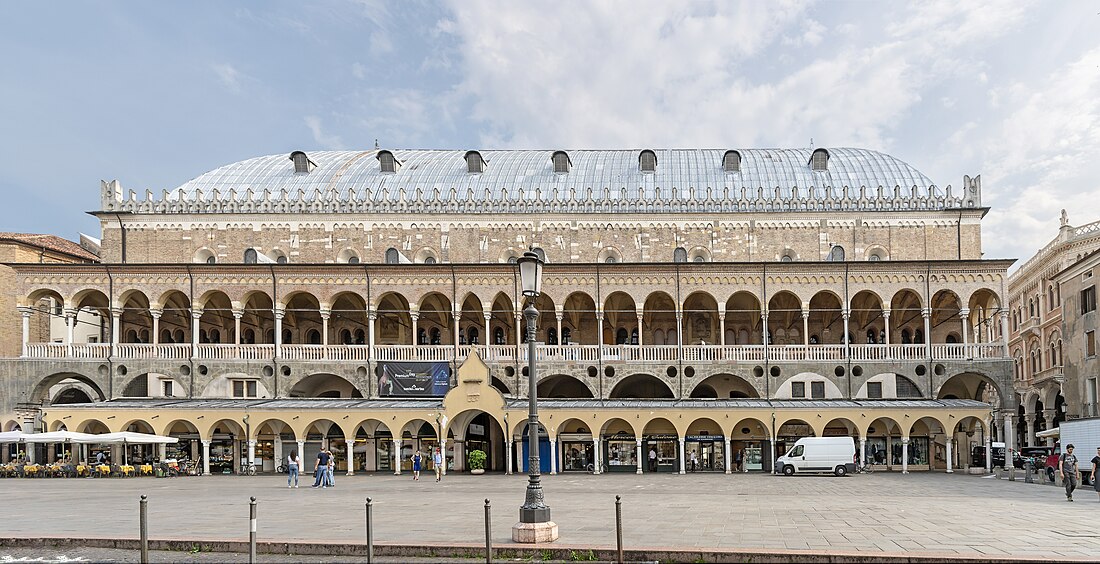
(919, 513)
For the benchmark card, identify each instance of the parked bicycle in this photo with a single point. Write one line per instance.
(248, 468)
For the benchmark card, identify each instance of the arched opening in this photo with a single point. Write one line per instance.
(927, 448)
(576, 452)
(563, 386)
(742, 325)
(620, 318)
(188, 449)
(784, 319)
(393, 325)
(946, 315)
(883, 447)
(750, 442)
(659, 320)
(228, 447)
(373, 450)
(502, 321)
(827, 319)
(705, 446)
(477, 430)
(328, 435)
(136, 321)
(985, 310)
(216, 323)
(257, 319)
(970, 385)
(724, 386)
(42, 390)
(905, 317)
(323, 385)
(701, 319)
(471, 321)
(418, 437)
(865, 318)
(641, 386)
(302, 315)
(789, 432)
(579, 326)
(348, 320)
(971, 436)
(661, 445)
(274, 442)
(435, 324)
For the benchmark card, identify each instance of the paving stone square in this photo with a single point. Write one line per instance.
(887, 513)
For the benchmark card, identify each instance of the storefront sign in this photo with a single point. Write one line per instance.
(421, 379)
(476, 429)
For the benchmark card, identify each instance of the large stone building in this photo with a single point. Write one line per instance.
(711, 301)
(1081, 366)
(1040, 346)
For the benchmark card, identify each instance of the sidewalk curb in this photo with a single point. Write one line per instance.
(556, 551)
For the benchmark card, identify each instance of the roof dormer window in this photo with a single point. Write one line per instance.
(302, 164)
(647, 161)
(819, 161)
(474, 163)
(387, 162)
(731, 161)
(561, 161)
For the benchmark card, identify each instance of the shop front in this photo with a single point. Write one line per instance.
(576, 452)
(665, 448)
(708, 451)
(222, 458)
(620, 452)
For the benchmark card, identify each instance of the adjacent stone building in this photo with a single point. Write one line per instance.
(704, 301)
(1079, 324)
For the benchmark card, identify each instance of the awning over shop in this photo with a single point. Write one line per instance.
(1049, 433)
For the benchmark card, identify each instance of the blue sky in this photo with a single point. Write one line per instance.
(156, 93)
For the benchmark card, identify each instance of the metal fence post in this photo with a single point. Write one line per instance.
(488, 533)
(370, 532)
(619, 529)
(252, 530)
(143, 518)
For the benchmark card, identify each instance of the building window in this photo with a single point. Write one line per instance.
(561, 161)
(611, 260)
(474, 163)
(167, 388)
(244, 388)
(819, 161)
(1088, 299)
(874, 390)
(817, 390)
(1090, 343)
(429, 260)
(281, 259)
(731, 161)
(387, 162)
(836, 254)
(647, 161)
(680, 255)
(699, 258)
(392, 256)
(302, 164)
(905, 387)
(250, 256)
(786, 258)
(798, 389)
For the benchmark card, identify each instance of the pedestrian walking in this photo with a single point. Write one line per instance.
(652, 459)
(694, 460)
(320, 469)
(416, 465)
(1096, 472)
(292, 464)
(1068, 471)
(330, 475)
(740, 459)
(437, 461)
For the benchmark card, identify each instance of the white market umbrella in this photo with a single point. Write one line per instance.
(55, 437)
(125, 438)
(12, 437)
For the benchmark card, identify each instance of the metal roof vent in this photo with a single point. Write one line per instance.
(561, 161)
(731, 161)
(647, 161)
(474, 163)
(387, 162)
(819, 161)
(302, 164)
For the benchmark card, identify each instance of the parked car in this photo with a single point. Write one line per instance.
(819, 454)
(978, 456)
(1037, 455)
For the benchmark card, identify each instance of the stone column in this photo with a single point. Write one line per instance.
(559, 317)
(597, 456)
(771, 452)
(641, 458)
(415, 316)
(722, 328)
(397, 457)
(302, 457)
(905, 455)
(517, 445)
(488, 326)
(443, 454)
(553, 456)
(196, 314)
(965, 314)
(372, 316)
(155, 313)
(252, 451)
(950, 458)
(926, 313)
(1029, 420)
(863, 451)
(728, 455)
(682, 470)
(886, 322)
(205, 458)
(508, 457)
(1008, 431)
(679, 326)
(989, 446)
(351, 456)
(116, 328)
(641, 316)
(279, 458)
(1004, 334)
(806, 327)
(456, 318)
(26, 311)
(326, 314)
(237, 315)
(279, 313)
(599, 331)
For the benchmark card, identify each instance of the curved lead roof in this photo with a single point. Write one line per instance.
(442, 174)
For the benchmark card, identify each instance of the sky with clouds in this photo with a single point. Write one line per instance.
(156, 93)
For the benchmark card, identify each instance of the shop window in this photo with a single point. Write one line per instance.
(1088, 299)
(817, 390)
(798, 389)
(874, 390)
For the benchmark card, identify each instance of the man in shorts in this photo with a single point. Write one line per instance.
(1068, 471)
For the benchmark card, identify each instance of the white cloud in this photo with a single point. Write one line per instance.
(229, 76)
(325, 140)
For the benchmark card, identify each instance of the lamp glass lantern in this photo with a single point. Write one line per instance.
(530, 274)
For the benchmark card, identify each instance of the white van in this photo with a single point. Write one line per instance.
(819, 454)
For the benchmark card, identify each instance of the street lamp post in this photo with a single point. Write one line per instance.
(534, 515)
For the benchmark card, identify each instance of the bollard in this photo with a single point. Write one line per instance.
(370, 533)
(1029, 469)
(252, 530)
(143, 518)
(488, 533)
(1011, 468)
(619, 528)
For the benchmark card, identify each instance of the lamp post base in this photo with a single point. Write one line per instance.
(530, 533)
